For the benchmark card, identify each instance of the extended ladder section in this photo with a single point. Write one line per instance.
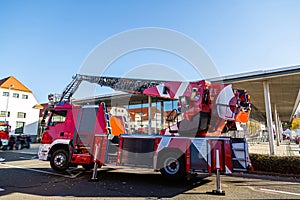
(122, 84)
(70, 89)
(239, 154)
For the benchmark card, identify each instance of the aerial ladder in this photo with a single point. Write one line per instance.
(131, 85)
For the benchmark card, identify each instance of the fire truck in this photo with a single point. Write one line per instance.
(4, 135)
(193, 141)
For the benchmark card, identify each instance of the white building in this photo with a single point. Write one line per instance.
(18, 107)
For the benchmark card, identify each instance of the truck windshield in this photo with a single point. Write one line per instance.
(3, 128)
(57, 117)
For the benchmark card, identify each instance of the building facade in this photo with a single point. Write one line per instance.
(18, 107)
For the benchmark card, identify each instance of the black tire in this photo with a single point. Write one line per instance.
(172, 166)
(60, 160)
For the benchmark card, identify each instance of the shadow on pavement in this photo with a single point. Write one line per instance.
(112, 183)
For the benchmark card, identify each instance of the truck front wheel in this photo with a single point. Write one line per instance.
(173, 166)
(60, 160)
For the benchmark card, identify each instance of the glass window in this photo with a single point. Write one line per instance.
(57, 117)
(88, 119)
(2, 114)
(24, 96)
(4, 128)
(20, 127)
(15, 95)
(21, 115)
(6, 94)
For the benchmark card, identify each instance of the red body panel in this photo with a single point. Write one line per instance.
(64, 130)
(99, 149)
(225, 158)
(81, 159)
(4, 132)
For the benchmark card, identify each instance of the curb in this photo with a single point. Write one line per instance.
(268, 176)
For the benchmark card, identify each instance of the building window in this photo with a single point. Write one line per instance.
(24, 96)
(15, 95)
(21, 115)
(6, 94)
(3, 113)
(20, 127)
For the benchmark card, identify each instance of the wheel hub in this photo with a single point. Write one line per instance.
(172, 166)
(59, 160)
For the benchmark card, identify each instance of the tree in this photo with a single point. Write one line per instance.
(286, 125)
(296, 122)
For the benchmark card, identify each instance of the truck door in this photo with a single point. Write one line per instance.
(85, 126)
(84, 134)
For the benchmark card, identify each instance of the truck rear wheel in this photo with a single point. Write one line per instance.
(60, 160)
(173, 166)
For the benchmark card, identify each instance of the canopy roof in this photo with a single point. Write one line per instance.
(284, 84)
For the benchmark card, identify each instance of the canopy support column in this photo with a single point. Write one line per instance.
(269, 116)
(277, 125)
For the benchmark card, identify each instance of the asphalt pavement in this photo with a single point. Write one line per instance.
(24, 177)
(34, 148)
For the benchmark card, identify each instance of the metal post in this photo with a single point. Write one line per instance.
(149, 115)
(269, 116)
(277, 126)
(162, 111)
(94, 176)
(218, 172)
(218, 191)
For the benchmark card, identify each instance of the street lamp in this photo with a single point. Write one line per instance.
(6, 111)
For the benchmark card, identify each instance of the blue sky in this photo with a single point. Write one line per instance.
(44, 43)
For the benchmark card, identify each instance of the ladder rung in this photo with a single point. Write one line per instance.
(239, 169)
(112, 154)
(238, 149)
(239, 159)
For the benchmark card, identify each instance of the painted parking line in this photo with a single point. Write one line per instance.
(281, 192)
(41, 171)
(34, 164)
